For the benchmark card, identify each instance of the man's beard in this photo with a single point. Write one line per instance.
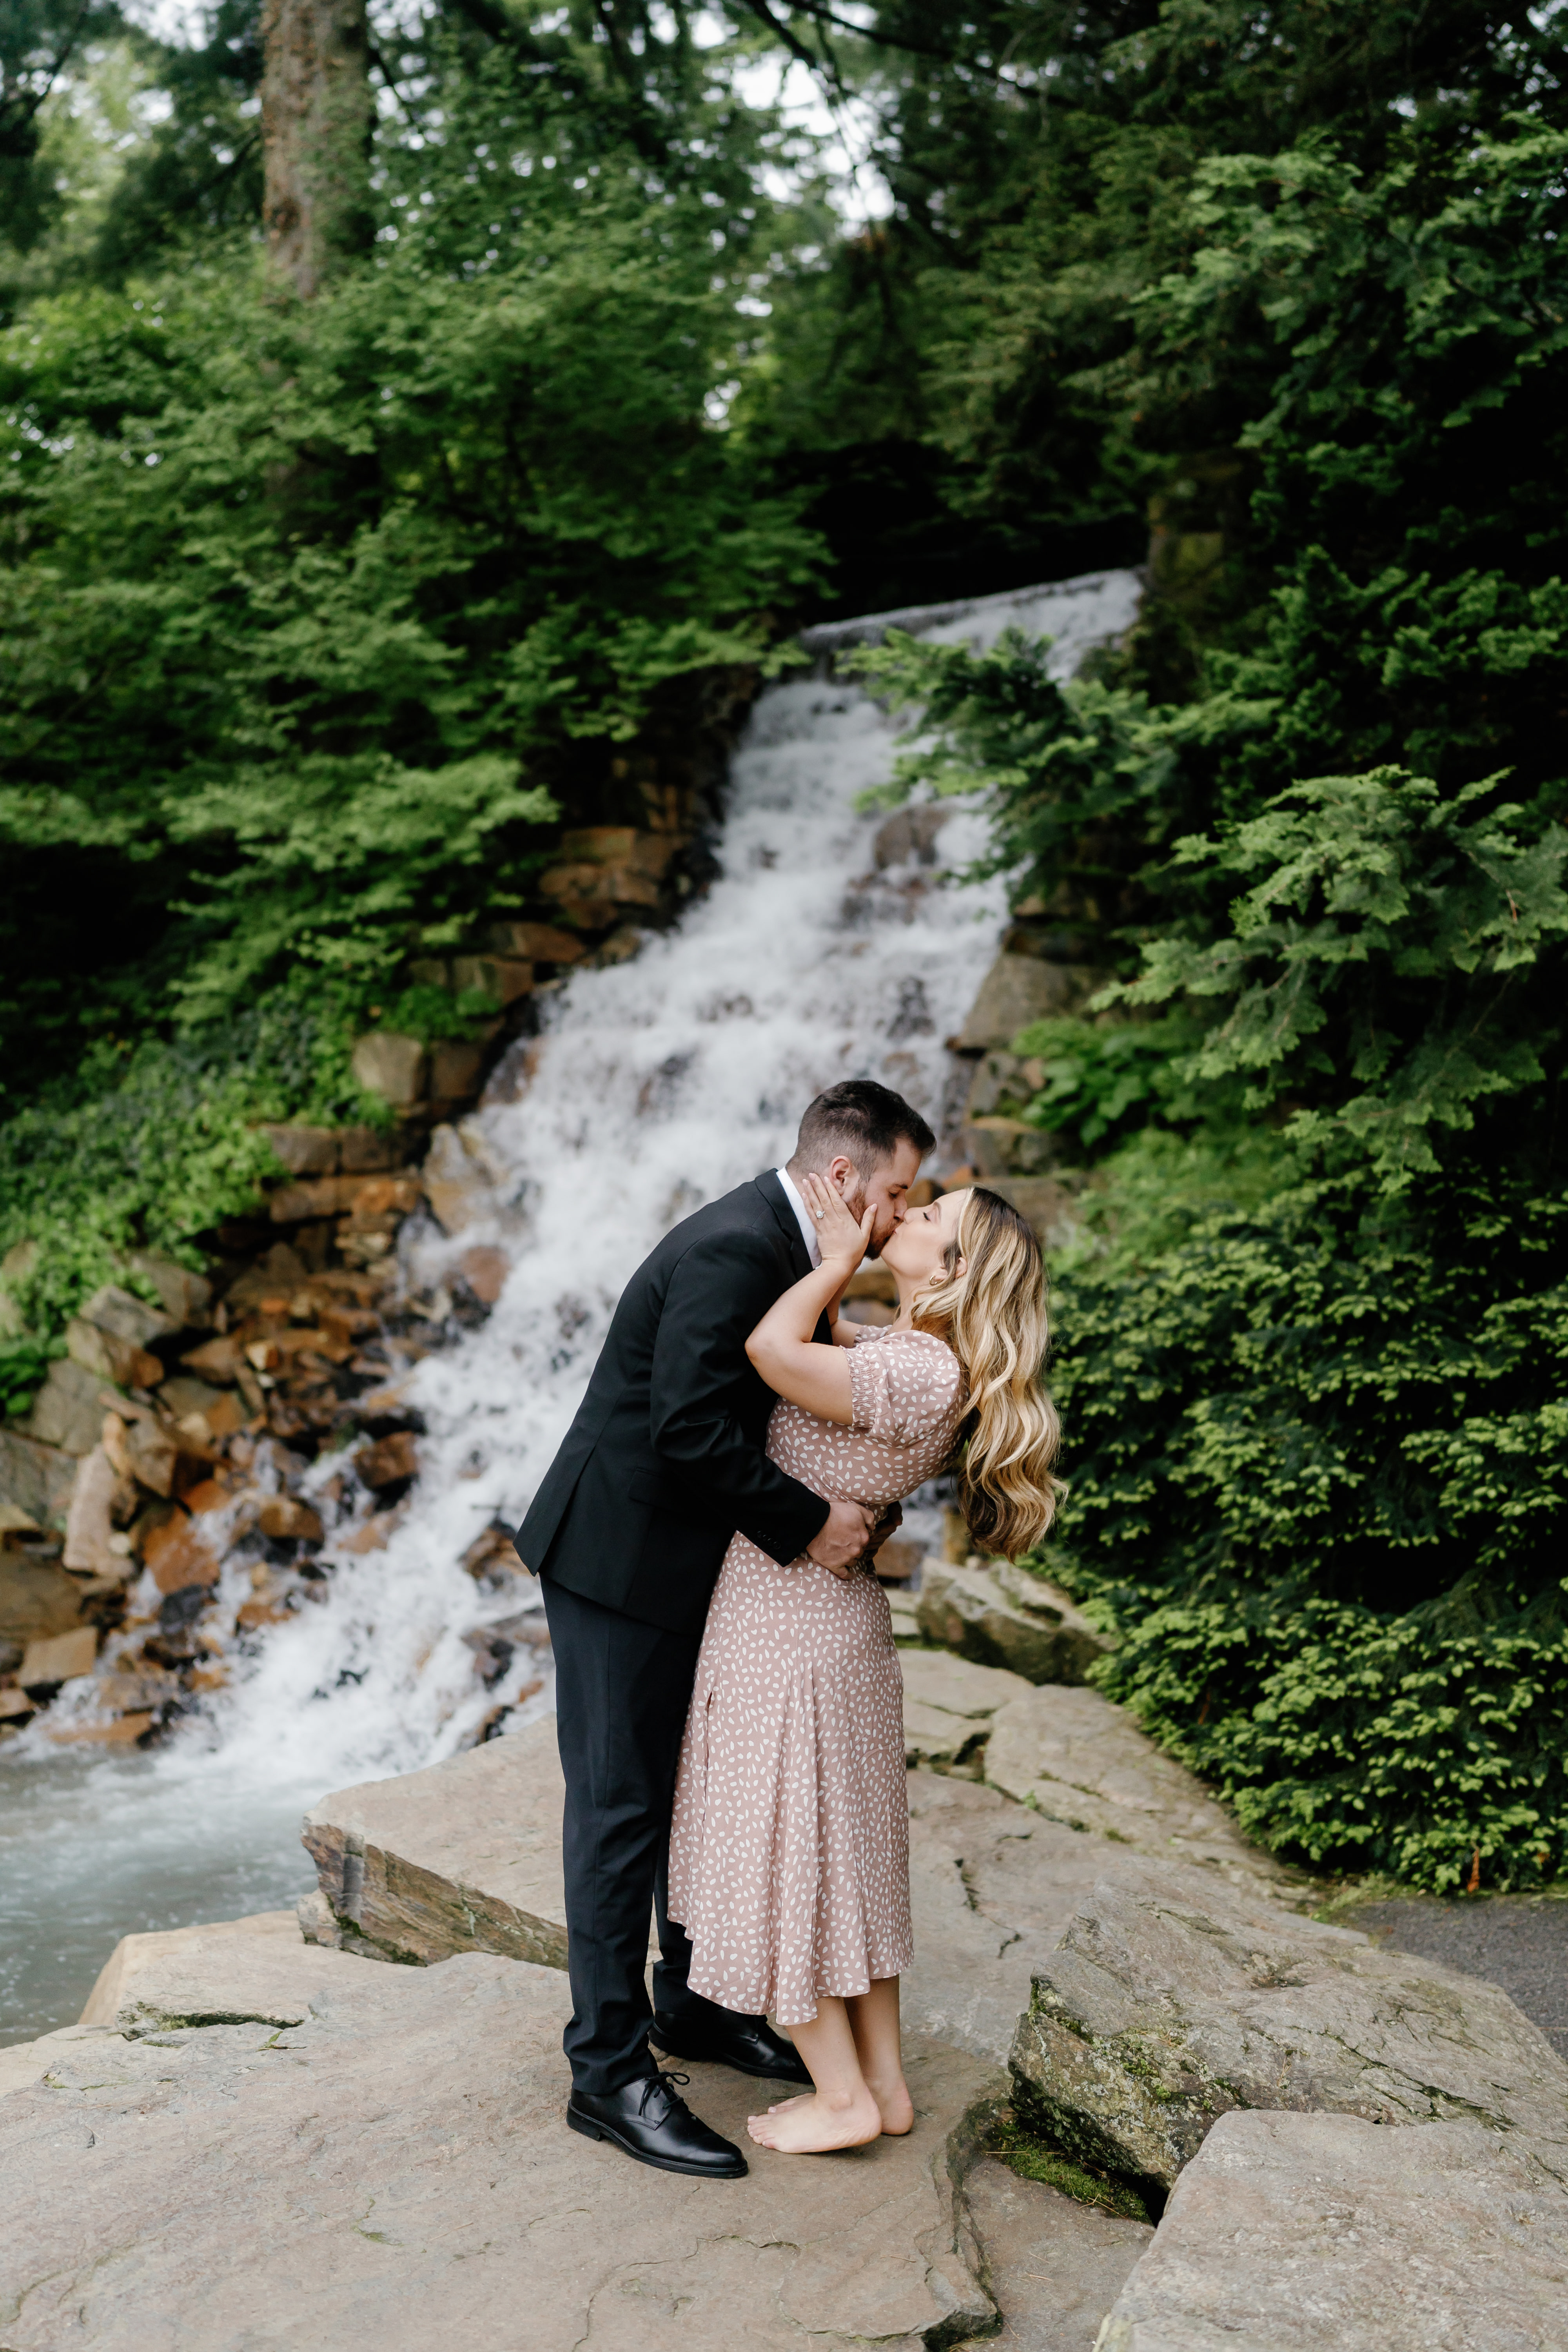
(856, 1203)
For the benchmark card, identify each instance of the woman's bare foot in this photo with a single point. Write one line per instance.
(895, 2106)
(814, 2124)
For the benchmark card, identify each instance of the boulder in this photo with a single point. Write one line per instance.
(456, 1070)
(390, 1460)
(458, 1178)
(236, 1972)
(121, 1315)
(462, 1858)
(109, 1358)
(91, 1548)
(992, 1889)
(185, 1297)
(1005, 1617)
(178, 1558)
(1163, 2008)
(1019, 989)
(503, 979)
(1071, 1754)
(390, 1065)
(395, 2171)
(67, 1410)
(538, 942)
(1052, 2266)
(36, 1481)
(949, 1704)
(304, 1150)
(55, 1658)
(37, 1599)
(1326, 2233)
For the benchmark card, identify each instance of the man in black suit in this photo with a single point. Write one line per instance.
(627, 1532)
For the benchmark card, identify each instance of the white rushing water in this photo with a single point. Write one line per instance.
(656, 1085)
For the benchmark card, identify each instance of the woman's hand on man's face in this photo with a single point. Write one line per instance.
(842, 1238)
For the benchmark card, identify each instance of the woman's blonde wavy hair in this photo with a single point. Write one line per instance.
(993, 1316)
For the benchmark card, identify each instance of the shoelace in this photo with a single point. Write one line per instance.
(666, 2079)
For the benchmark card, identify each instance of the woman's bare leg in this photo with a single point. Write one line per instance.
(841, 2112)
(874, 2022)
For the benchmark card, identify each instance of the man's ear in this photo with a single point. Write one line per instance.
(843, 1175)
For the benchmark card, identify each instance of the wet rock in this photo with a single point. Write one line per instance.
(389, 1461)
(304, 1150)
(125, 1731)
(367, 1150)
(55, 1658)
(15, 1708)
(1019, 989)
(108, 1358)
(390, 1065)
(910, 834)
(36, 1481)
(1015, 1621)
(122, 1315)
(37, 1599)
(538, 942)
(92, 1546)
(1072, 1755)
(457, 1068)
(1326, 2233)
(457, 1180)
(1160, 2011)
(230, 1973)
(462, 1858)
(218, 1361)
(1052, 2266)
(485, 1272)
(185, 1297)
(179, 1558)
(67, 1410)
(145, 1450)
(285, 1516)
(503, 979)
(394, 2171)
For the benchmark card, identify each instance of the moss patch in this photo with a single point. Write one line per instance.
(1034, 2159)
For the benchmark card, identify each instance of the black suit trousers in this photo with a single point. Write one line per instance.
(622, 1691)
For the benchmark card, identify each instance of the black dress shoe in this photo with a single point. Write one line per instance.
(747, 2043)
(651, 2121)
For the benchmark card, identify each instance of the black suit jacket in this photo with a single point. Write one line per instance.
(665, 1458)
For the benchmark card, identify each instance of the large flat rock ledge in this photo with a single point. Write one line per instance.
(395, 2172)
(464, 1856)
(1163, 2008)
(1328, 2234)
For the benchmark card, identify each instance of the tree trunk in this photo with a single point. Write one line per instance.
(315, 131)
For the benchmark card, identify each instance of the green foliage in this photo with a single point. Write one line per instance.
(294, 600)
(1381, 969)
(1319, 1465)
(148, 1142)
(1099, 1082)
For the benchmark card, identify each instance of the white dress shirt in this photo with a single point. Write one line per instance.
(803, 1215)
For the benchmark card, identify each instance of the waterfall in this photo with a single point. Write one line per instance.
(654, 1085)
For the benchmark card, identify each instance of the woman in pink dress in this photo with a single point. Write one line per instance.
(789, 1849)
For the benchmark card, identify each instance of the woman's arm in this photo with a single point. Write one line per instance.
(781, 1348)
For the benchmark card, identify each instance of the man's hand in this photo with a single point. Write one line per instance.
(842, 1538)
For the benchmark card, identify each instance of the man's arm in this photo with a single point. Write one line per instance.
(720, 1288)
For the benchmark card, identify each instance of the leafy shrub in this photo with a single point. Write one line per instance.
(1319, 1465)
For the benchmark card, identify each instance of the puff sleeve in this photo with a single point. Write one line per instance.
(903, 1386)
